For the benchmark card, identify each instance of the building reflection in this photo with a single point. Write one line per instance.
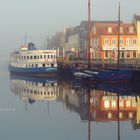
(92, 104)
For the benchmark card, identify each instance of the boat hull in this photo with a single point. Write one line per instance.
(115, 75)
(40, 71)
(112, 75)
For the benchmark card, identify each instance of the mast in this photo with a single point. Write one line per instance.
(118, 59)
(88, 52)
(25, 40)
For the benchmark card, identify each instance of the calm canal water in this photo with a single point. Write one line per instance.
(34, 108)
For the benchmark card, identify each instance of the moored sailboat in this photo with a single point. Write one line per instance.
(107, 74)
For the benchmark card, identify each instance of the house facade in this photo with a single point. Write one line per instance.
(104, 41)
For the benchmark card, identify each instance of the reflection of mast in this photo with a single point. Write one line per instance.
(118, 117)
(25, 105)
(48, 107)
(118, 66)
(89, 114)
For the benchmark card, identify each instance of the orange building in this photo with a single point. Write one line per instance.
(104, 41)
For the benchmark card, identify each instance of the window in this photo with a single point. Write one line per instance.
(128, 103)
(109, 115)
(131, 29)
(130, 115)
(40, 56)
(114, 41)
(134, 41)
(121, 104)
(134, 54)
(128, 41)
(35, 57)
(121, 41)
(106, 54)
(106, 104)
(128, 54)
(109, 29)
(44, 56)
(106, 41)
(48, 56)
(27, 57)
(36, 65)
(120, 115)
(113, 103)
(51, 56)
(121, 29)
(30, 57)
(122, 54)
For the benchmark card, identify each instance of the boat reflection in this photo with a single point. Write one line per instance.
(33, 89)
(99, 103)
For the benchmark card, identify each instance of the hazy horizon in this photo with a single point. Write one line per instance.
(40, 19)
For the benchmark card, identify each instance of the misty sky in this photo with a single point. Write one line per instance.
(42, 18)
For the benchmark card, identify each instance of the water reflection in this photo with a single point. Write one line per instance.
(33, 89)
(100, 103)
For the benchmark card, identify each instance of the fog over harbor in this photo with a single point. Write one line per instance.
(40, 19)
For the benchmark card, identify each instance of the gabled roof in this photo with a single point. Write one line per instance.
(102, 28)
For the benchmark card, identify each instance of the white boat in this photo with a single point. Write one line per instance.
(32, 61)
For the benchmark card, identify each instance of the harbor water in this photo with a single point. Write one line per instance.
(34, 108)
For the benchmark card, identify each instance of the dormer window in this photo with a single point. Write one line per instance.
(131, 29)
(121, 29)
(94, 29)
(109, 29)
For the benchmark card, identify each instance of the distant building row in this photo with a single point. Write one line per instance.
(72, 42)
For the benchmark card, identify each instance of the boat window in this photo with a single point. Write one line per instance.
(52, 65)
(43, 65)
